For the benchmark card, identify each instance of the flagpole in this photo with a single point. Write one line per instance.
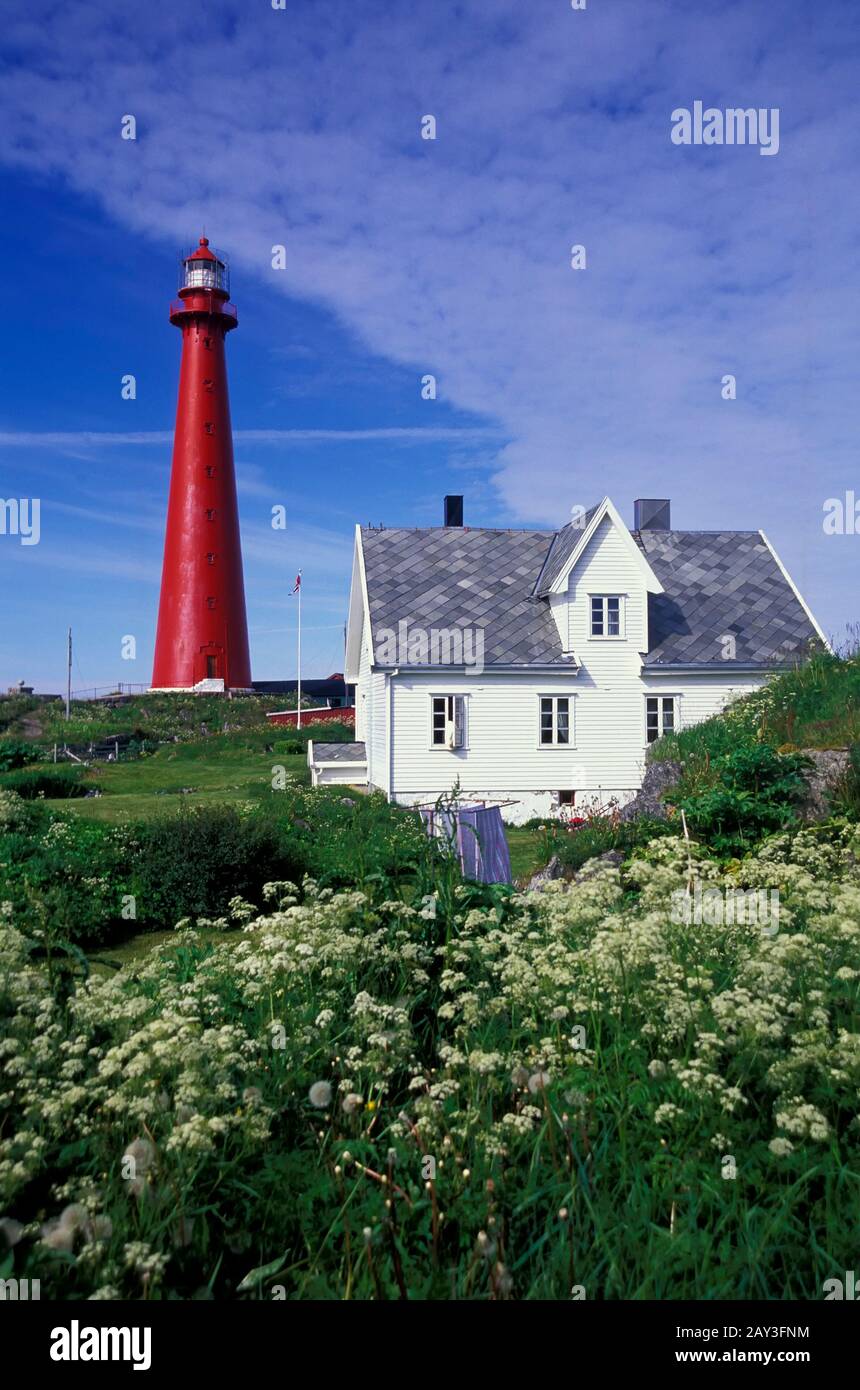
(299, 700)
(69, 679)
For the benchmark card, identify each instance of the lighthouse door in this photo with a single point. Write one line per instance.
(209, 663)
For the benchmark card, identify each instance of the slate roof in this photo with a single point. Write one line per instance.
(340, 752)
(458, 576)
(563, 545)
(716, 584)
(720, 583)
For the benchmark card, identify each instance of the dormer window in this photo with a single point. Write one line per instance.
(607, 615)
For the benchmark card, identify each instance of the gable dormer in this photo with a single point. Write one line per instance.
(597, 581)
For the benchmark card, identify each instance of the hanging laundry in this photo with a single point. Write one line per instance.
(477, 835)
(483, 845)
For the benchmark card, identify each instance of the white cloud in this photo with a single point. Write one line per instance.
(452, 256)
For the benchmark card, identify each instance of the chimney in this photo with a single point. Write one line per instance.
(453, 511)
(651, 514)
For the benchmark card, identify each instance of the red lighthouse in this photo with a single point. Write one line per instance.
(202, 628)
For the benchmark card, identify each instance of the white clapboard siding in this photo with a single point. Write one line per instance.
(502, 721)
(502, 724)
(700, 697)
(377, 748)
(340, 775)
(362, 725)
(371, 716)
(607, 567)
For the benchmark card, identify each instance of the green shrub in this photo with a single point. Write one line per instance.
(283, 1094)
(64, 871)
(14, 753)
(600, 833)
(755, 792)
(845, 797)
(342, 836)
(193, 863)
(54, 782)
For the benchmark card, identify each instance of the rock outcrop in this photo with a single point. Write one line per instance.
(613, 858)
(828, 766)
(548, 874)
(554, 870)
(659, 777)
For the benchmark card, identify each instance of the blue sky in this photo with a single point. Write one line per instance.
(406, 256)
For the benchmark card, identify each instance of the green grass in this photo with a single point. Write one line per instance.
(815, 706)
(223, 768)
(226, 768)
(528, 851)
(435, 1019)
(151, 716)
(134, 950)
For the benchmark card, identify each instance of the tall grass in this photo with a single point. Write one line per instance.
(443, 1097)
(815, 705)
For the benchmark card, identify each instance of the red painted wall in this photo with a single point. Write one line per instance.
(202, 608)
(315, 716)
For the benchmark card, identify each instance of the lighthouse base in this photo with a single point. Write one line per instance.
(211, 686)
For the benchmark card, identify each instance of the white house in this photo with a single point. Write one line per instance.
(536, 667)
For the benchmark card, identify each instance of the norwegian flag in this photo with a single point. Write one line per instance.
(298, 584)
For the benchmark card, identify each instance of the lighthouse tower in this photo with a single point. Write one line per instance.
(202, 637)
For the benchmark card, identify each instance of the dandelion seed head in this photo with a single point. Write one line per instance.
(320, 1094)
(538, 1081)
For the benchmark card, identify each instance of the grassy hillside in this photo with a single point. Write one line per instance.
(378, 1082)
(222, 769)
(151, 717)
(813, 706)
(743, 772)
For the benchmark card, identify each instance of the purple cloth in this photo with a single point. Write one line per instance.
(478, 834)
(484, 854)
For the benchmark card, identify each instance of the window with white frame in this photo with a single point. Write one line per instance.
(555, 720)
(660, 716)
(607, 613)
(448, 721)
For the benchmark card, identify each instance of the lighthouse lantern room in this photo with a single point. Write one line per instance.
(204, 271)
